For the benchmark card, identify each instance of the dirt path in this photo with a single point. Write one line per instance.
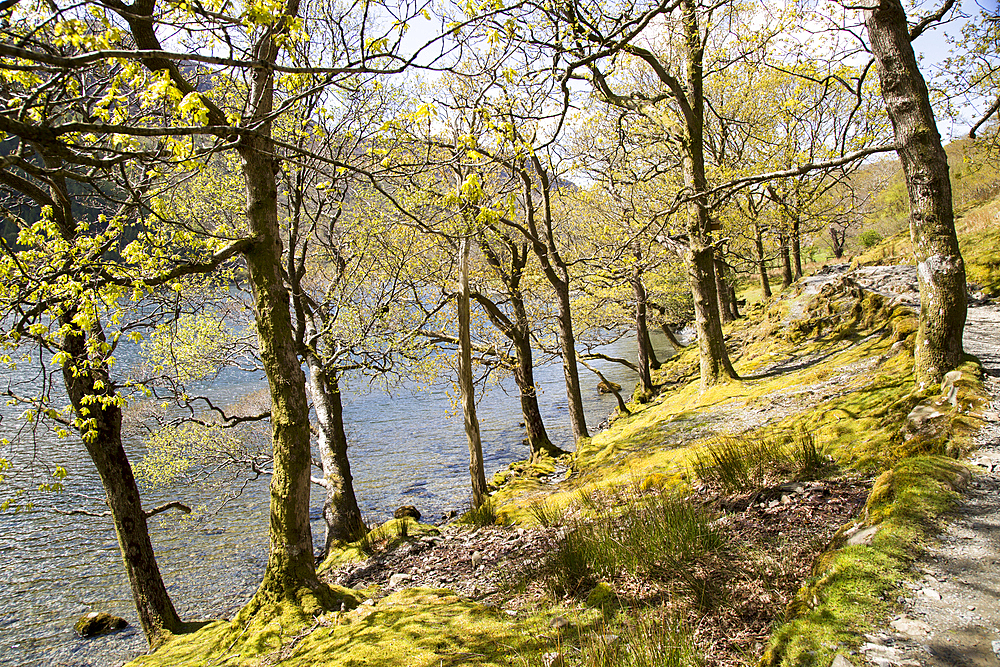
(952, 615)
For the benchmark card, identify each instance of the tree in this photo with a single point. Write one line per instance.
(940, 269)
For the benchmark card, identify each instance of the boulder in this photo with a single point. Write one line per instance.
(99, 623)
(407, 511)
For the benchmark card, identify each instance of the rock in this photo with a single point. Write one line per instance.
(558, 623)
(606, 387)
(862, 537)
(910, 627)
(554, 659)
(477, 559)
(398, 579)
(930, 593)
(407, 511)
(996, 647)
(841, 661)
(924, 420)
(99, 623)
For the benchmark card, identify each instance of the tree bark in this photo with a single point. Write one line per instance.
(727, 306)
(518, 331)
(557, 274)
(786, 260)
(95, 402)
(940, 269)
(340, 507)
(103, 439)
(715, 366)
(765, 283)
(291, 572)
(796, 246)
(465, 381)
(642, 334)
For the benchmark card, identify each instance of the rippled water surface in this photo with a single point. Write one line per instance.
(55, 567)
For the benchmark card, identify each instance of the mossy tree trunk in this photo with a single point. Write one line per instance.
(786, 259)
(340, 507)
(940, 269)
(97, 405)
(642, 332)
(518, 330)
(797, 246)
(724, 291)
(103, 439)
(465, 380)
(290, 573)
(714, 362)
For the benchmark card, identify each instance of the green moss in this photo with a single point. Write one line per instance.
(413, 627)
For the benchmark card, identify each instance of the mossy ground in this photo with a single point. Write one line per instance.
(835, 365)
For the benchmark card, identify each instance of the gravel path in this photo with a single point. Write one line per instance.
(952, 615)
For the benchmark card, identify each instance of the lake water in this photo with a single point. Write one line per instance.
(404, 450)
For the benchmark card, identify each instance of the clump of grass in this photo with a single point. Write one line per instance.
(484, 515)
(660, 536)
(370, 541)
(657, 639)
(545, 514)
(748, 463)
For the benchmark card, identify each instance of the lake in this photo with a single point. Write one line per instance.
(405, 450)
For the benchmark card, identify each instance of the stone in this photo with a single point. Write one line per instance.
(862, 537)
(924, 420)
(398, 579)
(98, 623)
(477, 559)
(558, 623)
(841, 661)
(910, 627)
(407, 511)
(553, 659)
(930, 593)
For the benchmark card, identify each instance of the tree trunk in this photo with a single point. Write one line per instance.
(671, 338)
(524, 376)
(727, 309)
(837, 238)
(796, 247)
(340, 508)
(103, 439)
(654, 363)
(786, 260)
(567, 345)
(642, 334)
(465, 381)
(715, 366)
(940, 269)
(291, 572)
(765, 283)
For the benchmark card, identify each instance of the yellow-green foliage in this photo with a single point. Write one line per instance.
(173, 450)
(190, 348)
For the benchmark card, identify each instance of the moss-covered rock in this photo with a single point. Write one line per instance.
(98, 623)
